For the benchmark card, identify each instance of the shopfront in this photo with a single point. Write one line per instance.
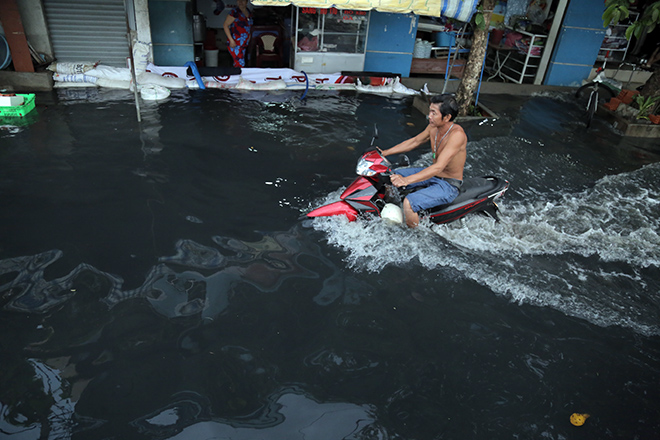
(366, 35)
(330, 40)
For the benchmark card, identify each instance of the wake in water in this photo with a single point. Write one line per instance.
(593, 254)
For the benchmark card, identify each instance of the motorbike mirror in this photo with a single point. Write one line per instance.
(404, 161)
(375, 136)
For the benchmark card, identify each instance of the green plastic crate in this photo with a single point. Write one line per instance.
(21, 110)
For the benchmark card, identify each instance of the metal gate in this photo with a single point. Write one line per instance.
(88, 30)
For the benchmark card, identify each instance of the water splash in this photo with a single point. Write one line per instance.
(594, 254)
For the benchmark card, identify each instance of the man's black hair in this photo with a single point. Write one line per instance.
(447, 104)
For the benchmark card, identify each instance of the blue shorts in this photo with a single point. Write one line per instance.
(432, 192)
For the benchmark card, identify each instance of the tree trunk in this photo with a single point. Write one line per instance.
(472, 71)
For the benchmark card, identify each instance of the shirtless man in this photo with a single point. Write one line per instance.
(440, 181)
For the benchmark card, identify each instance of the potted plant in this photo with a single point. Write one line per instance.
(645, 105)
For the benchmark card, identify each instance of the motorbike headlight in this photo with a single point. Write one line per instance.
(362, 168)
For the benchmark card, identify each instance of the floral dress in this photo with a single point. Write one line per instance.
(240, 32)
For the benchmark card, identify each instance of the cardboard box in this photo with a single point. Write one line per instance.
(11, 100)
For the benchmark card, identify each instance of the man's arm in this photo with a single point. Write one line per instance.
(455, 143)
(409, 144)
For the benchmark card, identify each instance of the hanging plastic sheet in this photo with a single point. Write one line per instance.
(459, 9)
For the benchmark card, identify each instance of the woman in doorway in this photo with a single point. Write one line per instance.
(237, 28)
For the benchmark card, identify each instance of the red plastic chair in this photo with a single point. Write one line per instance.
(269, 49)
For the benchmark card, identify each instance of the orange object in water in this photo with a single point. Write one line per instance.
(579, 419)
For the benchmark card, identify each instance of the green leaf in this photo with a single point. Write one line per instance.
(607, 16)
(629, 32)
(480, 21)
(655, 14)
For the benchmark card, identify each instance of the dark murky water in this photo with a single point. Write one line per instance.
(157, 281)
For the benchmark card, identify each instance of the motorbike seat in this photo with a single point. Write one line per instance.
(474, 187)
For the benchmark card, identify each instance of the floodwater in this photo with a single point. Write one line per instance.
(158, 280)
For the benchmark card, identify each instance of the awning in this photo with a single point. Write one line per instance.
(459, 9)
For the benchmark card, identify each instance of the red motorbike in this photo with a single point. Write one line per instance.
(373, 195)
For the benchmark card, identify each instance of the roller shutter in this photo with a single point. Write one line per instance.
(88, 30)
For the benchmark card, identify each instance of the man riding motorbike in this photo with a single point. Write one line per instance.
(440, 182)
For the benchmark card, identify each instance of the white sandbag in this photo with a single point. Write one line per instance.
(244, 84)
(141, 53)
(210, 84)
(109, 72)
(77, 78)
(113, 83)
(66, 85)
(70, 68)
(153, 92)
(164, 81)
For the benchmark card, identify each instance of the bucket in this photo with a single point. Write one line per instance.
(422, 49)
(445, 39)
(418, 50)
(211, 57)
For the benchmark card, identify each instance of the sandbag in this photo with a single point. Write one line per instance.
(67, 85)
(218, 85)
(164, 81)
(113, 83)
(71, 68)
(109, 72)
(141, 51)
(78, 78)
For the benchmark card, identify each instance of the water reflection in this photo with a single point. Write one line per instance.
(191, 293)
(293, 415)
(196, 280)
